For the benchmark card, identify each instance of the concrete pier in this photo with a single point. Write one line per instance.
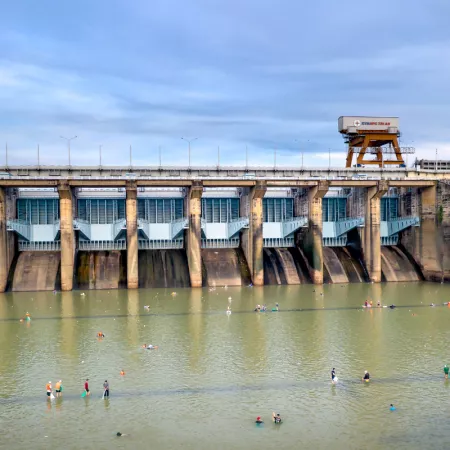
(429, 242)
(132, 236)
(4, 266)
(372, 236)
(67, 236)
(252, 238)
(313, 245)
(193, 241)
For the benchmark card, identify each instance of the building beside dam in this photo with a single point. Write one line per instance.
(104, 228)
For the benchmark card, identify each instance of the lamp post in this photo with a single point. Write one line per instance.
(298, 140)
(68, 144)
(189, 144)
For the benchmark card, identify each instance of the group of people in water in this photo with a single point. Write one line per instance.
(276, 418)
(263, 308)
(86, 391)
(334, 378)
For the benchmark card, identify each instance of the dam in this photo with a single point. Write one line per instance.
(85, 228)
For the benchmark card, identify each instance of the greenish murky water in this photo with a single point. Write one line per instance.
(213, 373)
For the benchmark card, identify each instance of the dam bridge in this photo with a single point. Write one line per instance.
(110, 227)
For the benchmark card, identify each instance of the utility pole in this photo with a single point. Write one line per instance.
(131, 158)
(6, 154)
(38, 156)
(329, 159)
(246, 157)
(275, 158)
(218, 156)
(68, 144)
(159, 150)
(100, 154)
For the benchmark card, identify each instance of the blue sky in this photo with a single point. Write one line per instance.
(258, 74)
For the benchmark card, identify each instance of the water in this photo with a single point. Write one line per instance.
(213, 373)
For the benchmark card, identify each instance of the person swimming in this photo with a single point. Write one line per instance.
(276, 418)
(392, 306)
(119, 434)
(258, 308)
(259, 420)
(122, 372)
(151, 347)
(100, 334)
(392, 407)
(366, 376)
(446, 369)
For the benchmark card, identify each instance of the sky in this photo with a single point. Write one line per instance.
(256, 78)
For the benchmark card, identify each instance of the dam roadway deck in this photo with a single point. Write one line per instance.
(223, 176)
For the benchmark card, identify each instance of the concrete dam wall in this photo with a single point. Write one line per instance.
(40, 271)
(341, 266)
(163, 269)
(225, 267)
(285, 266)
(101, 269)
(397, 265)
(36, 271)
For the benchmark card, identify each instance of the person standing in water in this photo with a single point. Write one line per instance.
(106, 388)
(86, 387)
(333, 375)
(58, 388)
(276, 418)
(446, 372)
(48, 388)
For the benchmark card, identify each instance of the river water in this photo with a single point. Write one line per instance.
(213, 373)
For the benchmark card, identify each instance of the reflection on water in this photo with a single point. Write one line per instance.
(214, 373)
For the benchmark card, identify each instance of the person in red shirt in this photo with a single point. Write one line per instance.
(86, 386)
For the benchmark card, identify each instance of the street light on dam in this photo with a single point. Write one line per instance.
(189, 144)
(68, 144)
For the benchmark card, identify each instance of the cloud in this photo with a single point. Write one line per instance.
(255, 75)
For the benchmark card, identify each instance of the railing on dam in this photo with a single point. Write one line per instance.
(21, 227)
(37, 246)
(279, 242)
(220, 243)
(120, 244)
(245, 173)
(160, 244)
